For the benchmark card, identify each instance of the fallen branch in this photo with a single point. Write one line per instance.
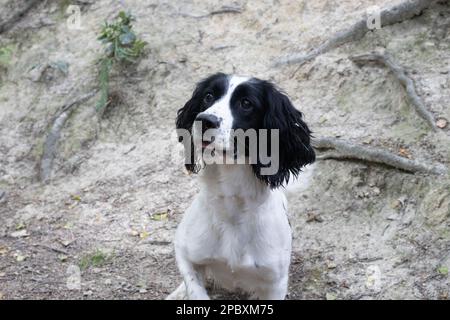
(223, 10)
(51, 143)
(159, 243)
(44, 246)
(400, 74)
(401, 12)
(19, 10)
(345, 150)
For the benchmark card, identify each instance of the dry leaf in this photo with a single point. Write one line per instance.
(68, 226)
(404, 153)
(4, 251)
(76, 198)
(20, 226)
(323, 119)
(143, 235)
(65, 243)
(370, 281)
(160, 216)
(330, 296)
(134, 233)
(19, 257)
(313, 217)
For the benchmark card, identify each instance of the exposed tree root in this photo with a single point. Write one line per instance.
(222, 10)
(401, 12)
(51, 142)
(400, 74)
(18, 10)
(344, 150)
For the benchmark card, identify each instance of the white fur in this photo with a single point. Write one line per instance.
(236, 231)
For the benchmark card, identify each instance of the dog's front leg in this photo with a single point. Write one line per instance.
(275, 291)
(193, 279)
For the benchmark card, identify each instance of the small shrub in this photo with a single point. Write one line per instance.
(6, 54)
(95, 259)
(122, 47)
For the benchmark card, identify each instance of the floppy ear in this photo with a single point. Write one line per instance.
(186, 115)
(185, 119)
(295, 150)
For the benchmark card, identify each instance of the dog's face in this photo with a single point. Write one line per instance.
(222, 104)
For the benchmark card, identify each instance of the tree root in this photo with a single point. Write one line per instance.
(401, 12)
(400, 74)
(345, 150)
(51, 142)
(222, 10)
(20, 9)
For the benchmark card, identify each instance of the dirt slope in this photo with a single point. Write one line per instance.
(361, 231)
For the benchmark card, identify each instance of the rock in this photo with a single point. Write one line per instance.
(36, 72)
(2, 196)
(331, 265)
(441, 123)
(393, 217)
(20, 257)
(376, 191)
(313, 217)
(20, 234)
(48, 71)
(87, 293)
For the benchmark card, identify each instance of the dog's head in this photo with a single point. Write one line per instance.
(222, 104)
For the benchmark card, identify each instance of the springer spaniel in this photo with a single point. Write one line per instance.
(236, 231)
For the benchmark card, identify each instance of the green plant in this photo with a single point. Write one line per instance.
(443, 270)
(95, 259)
(122, 47)
(6, 54)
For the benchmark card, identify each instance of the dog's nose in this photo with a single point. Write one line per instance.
(209, 121)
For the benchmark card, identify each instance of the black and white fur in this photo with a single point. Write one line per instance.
(236, 231)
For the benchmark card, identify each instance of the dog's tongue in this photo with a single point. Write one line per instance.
(205, 143)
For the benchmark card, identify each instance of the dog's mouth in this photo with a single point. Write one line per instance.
(207, 142)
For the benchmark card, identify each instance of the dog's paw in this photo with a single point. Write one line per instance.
(178, 294)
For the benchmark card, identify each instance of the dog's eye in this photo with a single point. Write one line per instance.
(246, 104)
(208, 98)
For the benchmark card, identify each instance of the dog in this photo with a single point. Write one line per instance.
(236, 231)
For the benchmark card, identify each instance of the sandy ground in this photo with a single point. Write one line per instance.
(103, 228)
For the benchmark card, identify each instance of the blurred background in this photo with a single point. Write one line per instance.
(91, 190)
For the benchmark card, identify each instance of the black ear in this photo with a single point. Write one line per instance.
(295, 150)
(186, 115)
(185, 119)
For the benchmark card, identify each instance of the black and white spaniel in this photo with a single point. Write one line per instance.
(236, 231)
